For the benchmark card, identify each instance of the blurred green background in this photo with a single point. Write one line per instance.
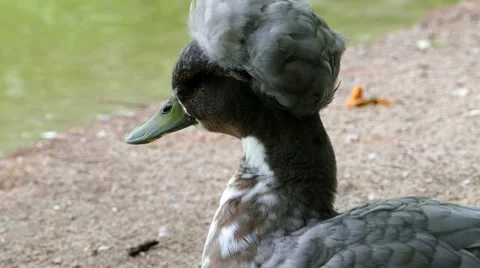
(70, 62)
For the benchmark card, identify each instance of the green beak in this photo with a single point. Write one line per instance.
(169, 119)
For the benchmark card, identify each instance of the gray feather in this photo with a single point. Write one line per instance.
(405, 232)
(291, 53)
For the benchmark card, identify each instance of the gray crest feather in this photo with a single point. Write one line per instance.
(291, 53)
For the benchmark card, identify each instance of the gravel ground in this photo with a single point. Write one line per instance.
(83, 198)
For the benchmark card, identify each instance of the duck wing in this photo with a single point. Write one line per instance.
(406, 232)
(289, 51)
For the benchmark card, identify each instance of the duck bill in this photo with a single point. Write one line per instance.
(169, 119)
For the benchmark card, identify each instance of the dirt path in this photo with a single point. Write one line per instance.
(85, 197)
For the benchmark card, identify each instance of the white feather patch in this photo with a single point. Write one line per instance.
(183, 107)
(228, 244)
(255, 156)
(229, 194)
(268, 200)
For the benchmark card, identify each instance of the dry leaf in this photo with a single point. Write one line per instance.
(356, 99)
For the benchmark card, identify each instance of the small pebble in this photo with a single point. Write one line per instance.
(474, 112)
(424, 44)
(465, 183)
(103, 248)
(49, 135)
(462, 92)
(174, 204)
(101, 134)
(351, 138)
(57, 260)
(347, 185)
(163, 232)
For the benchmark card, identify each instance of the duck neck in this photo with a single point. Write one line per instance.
(301, 157)
(286, 179)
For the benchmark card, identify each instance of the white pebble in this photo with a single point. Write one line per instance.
(474, 112)
(163, 232)
(465, 183)
(350, 138)
(462, 92)
(174, 204)
(49, 135)
(424, 44)
(101, 134)
(57, 260)
(103, 248)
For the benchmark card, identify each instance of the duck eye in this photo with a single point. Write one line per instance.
(167, 108)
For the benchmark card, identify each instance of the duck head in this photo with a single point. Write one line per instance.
(205, 94)
(296, 149)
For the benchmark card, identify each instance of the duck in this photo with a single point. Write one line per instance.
(260, 71)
